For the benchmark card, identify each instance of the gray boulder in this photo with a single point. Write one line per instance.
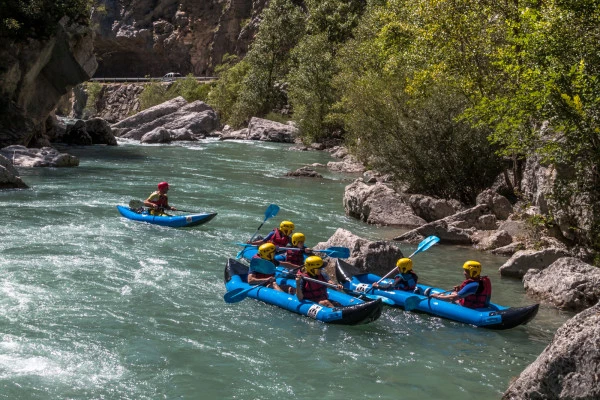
(523, 260)
(365, 255)
(271, 131)
(499, 205)
(568, 283)
(44, 157)
(151, 114)
(9, 176)
(569, 367)
(100, 132)
(378, 204)
(196, 117)
(431, 209)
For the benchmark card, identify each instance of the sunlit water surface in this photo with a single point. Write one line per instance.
(95, 306)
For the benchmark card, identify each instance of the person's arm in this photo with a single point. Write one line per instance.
(252, 280)
(386, 285)
(330, 281)
(289, 265)
(148, 202)
(468, 290)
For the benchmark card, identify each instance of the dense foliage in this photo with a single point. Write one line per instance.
(23, 19)
(189, 88)
(440, 93)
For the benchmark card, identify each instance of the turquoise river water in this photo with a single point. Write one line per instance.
(94, 306)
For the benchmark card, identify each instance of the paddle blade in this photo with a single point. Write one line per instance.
(235, 295)
(336, 252)
(271, 211)
(263, 266)
(425, 244)
(135, 204)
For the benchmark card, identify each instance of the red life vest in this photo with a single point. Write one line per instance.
(295, 256)
(279, 239)
(313, 291)
(162, 201)
(482, 297)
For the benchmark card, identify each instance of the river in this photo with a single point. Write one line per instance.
(94, 306)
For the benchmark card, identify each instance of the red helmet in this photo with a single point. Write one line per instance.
(163, 185)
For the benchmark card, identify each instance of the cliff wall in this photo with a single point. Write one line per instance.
(140, 38)
(35, 74)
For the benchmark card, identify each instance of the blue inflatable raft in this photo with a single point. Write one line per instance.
(493, 317)
(353, 311)
(176, 221)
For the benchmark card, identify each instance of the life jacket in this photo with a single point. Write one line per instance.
(295, 256)
(313, 291)
(407, 284)
(162, 200)
(279, 239)
(482, 297)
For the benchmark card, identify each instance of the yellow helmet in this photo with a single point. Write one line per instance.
(267, 251)
(286, 227)
(404, 265)
(312, 264)
(298, 237)
(473, 268)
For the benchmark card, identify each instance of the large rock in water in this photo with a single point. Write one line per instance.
(9, 176)
(35, 75)
(379, 204)
(365, 255)
(568, 283)
(569, 368)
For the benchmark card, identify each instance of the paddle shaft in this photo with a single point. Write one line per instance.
(270, 212)
(424, 245)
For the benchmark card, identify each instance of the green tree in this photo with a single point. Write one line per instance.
(225, 92)
(281, 28)
(335, 18)
(400, 97)
(311, 91)
(24, 19)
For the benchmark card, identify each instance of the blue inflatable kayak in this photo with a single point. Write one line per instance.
(353, 311)
(493, 317)
(176, 221)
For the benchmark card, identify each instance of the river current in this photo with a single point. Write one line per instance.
(94, 306)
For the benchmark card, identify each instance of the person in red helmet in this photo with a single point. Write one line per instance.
(158, 201)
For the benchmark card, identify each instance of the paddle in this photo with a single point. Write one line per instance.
(136, 204)
(333, 252)
(239, 294)
(270, 212)
(413, 301)
(259, 265)
(424, 245)
(384, 299)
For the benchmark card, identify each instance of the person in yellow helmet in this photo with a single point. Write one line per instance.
(314, 291)
(294, 256)
(474, 292)
(280, 237)
(267, 251)
(406, 279)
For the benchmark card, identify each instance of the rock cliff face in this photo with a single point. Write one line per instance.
(33, 77)
(153, 37)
